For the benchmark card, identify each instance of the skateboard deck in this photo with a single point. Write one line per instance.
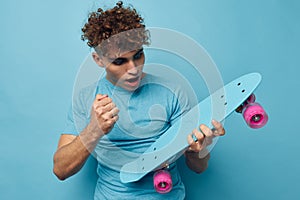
(172, 144)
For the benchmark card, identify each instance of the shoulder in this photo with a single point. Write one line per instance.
(84, 96)
(86, 90)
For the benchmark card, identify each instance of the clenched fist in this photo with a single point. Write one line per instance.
(104, 114)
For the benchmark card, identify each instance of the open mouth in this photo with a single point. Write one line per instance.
(133, 82)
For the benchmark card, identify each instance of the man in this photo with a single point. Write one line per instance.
(111, 117)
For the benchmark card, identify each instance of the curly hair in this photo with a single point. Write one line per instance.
(119, 26)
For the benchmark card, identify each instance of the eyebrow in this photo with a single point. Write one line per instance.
(112, 59)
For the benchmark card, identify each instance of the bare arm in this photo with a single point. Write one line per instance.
(73, 151)
(71, 155)
(195, 163)
(197, 156)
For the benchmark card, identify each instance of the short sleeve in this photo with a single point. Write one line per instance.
(78, 115)
(70, 126)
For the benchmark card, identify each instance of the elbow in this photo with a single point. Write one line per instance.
(196, 164)
(202, 164)
(58, 173)
(201, 169)
(198, 168)
(63, 171)
(60, 176)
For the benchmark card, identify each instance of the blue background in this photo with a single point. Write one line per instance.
(41, 52)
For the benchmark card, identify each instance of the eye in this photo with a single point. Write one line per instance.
(119, 61)
(138, 55)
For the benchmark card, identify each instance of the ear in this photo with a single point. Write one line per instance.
(98, 60)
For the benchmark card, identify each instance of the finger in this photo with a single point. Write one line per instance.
(190, 140)
(100, 96)
(108, 125)
(110, 114)
(109, 107)
(115, 118)
(195, 140)
(198, 136)
(194, 145)
(206, 131)
(218, 129)
(105, 101)
(100, 101)
(103, 106)
(114, 112)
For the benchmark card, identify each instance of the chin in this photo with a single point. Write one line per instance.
(131, 89)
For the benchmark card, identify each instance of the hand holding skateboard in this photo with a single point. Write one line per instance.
(235, 96)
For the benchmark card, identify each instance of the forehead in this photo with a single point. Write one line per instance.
(117, 46)
(123, 42)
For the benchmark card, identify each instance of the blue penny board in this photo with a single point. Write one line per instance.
(172, 144)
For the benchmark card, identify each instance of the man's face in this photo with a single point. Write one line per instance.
(125, 70)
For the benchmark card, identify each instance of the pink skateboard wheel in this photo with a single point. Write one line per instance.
(254, 115)
(162, 181)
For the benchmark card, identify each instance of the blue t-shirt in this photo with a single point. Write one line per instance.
(144, 116)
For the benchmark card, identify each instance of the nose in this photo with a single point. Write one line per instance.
(132, 68)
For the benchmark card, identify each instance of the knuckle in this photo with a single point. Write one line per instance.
(190, 140)
(202, 127)
(223, 132)
(116, 118)
(109, 100)
(99, 111)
